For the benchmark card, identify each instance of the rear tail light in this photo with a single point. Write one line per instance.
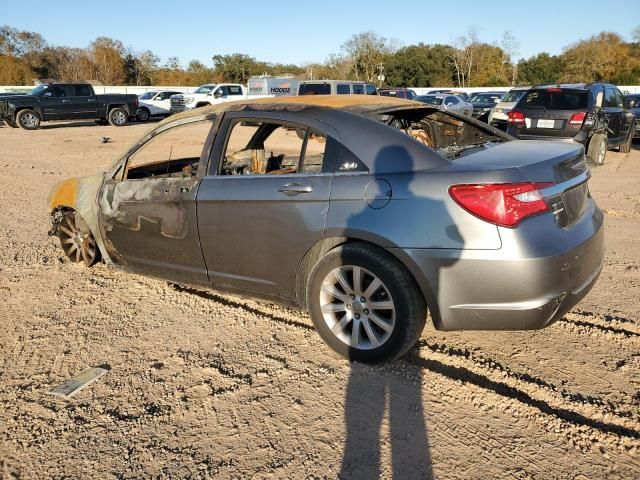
(577, 118)
(515, 117)
(504, 204)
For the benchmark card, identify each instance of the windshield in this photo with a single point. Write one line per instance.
(485, 97)
(430, 99)
(205, 89)
(629, 98)
(513, 96)
(147, 95)
(555, 99)
(38, 90)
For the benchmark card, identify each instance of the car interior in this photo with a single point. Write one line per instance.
(451, 137)
(272, 148)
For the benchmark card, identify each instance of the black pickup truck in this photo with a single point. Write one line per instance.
(66, 101)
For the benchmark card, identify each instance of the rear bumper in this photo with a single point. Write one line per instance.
(581, 137)
(540, 273)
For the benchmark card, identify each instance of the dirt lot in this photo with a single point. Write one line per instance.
(206, 385)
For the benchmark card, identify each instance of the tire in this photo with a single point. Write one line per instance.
(626, 146)
(597, 149)
(118, 117)
(385, 333)
(77, 241)
(143, 115)
(28, 119)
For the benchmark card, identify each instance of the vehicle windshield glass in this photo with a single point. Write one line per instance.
(485, 97)
(147, 95)
(38, 90)
(205, 89)
(314, 89)
(430, 99)
(629, 98)
(513, 96)
(555, 99)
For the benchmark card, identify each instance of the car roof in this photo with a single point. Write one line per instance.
(351, 103)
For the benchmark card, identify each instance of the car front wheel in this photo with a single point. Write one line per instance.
(28, 120)
(597, 149)
(365, 304)
(143, 115)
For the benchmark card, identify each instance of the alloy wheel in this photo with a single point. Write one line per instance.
(77, 245)
(357, 307)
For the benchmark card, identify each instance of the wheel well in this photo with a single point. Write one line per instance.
(19, 109)
(57, 214)
(202, 104)
(320, 249)
(111, 107)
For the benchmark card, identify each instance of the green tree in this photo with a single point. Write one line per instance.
(539, 69)
(420, 66)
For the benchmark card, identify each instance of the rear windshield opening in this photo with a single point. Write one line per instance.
(556, 100)
(451, 137)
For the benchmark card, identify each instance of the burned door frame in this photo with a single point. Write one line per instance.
(149, 225)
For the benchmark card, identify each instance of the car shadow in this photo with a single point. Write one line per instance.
(373, 390)
(89, 123)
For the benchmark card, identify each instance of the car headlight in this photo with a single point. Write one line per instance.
(486, 109)
(499, 110)
(188, 99)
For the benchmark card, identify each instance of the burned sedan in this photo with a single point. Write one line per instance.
(369, 212)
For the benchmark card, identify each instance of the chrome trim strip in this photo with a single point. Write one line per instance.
(560, 188)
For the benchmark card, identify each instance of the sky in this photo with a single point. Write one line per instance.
(302, 32)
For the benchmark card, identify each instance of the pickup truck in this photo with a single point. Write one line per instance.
(66, 101)
(209, 94)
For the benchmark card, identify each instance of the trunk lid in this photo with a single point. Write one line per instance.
(561, 166)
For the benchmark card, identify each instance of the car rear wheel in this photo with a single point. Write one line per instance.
(77, 241)
(597, 149)
(365, 304)
(626, 146)
(118, 117)
(143, 114)
(28, 119)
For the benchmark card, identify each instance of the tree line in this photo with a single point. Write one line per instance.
(466, 62)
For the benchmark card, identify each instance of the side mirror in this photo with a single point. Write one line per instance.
(496, 100)
(632, 104)
(47, 94)
(218, 93)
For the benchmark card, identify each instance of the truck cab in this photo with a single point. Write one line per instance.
(208, 94)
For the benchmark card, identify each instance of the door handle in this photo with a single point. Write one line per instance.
(292, 189)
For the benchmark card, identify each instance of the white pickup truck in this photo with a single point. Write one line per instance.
(209, 94)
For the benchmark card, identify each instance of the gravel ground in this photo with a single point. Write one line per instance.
(205, 385)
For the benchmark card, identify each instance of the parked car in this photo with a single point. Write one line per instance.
(336, 87)
(209, 94)
(632, 103)
(66, 101)
(266, 85)
(483, 103)
(449, 102)
(153, 104)
(366, 211)
(459, 93)
(591, 114)
(397, 92)
(498, 115)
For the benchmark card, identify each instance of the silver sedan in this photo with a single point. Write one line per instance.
(452, 103)
(368, 212)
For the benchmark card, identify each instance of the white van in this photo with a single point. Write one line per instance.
(268, 86)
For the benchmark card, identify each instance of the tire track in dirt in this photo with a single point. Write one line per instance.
(463, 366)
